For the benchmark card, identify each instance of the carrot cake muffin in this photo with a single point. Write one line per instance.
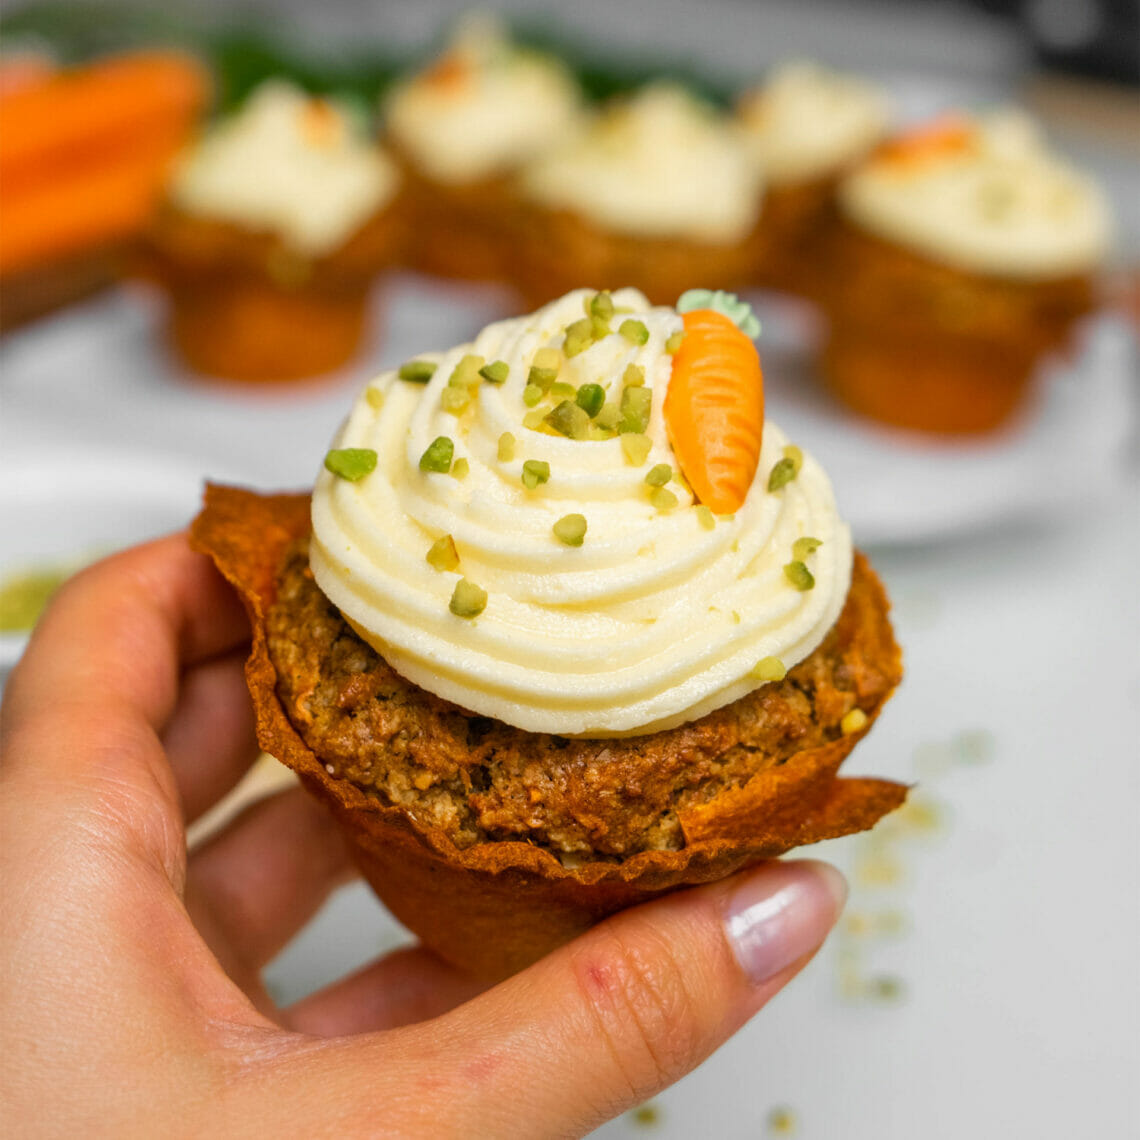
(657, 192)
(963, 252)
(276, 225)
(461, 128)
(806, 127)
(565, 624)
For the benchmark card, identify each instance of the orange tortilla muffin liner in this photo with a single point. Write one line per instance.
(495, 907)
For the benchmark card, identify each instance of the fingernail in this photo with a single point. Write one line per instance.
(782, 912)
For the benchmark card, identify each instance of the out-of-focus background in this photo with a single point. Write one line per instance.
(983, 980)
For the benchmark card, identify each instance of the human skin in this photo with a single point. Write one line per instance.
(131, 1001)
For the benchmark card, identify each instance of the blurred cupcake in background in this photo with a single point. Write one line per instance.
(964, 251)
(275, 227)
(461, 129)
(806, 127)
(657, 192)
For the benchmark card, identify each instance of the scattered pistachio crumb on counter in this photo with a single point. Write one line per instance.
(417, 371)
(455, 400)
(662, 499)
(442, 554)
(496, 372)
(853, 721)
(704, 514)
(534, 473)
(781, 1121)
(799, 575)
(590, 398)
(635, 407)
(570, 529)
(659, 475)
(783, 472)
(795, 455)
(351, 463)
(467, 599)
(805, 547)
(506, 447)
(569, 420)
(634, 331)
(887, 988)
(461, 468)
(374, 397)
(673, 342)
(633, 376)
(647, 1115)
(438, 455)
(768, 669)
(636, 447)
(23, 596)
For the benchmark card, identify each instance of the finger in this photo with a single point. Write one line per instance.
(409, 985)
(250, 889)
(600, 1025)
(99, 680)
(210, 738)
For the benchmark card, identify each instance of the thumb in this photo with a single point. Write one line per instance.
(617, 1015)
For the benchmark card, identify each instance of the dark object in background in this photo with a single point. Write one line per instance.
(1095, 38)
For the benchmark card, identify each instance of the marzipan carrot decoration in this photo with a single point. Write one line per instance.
(945, 135)
(714, 409)
(84, 152)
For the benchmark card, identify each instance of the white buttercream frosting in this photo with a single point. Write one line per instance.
(806, 121)
(653, 621)
(659, 164)
(291, 164)
(1001, 202)
(485, 107)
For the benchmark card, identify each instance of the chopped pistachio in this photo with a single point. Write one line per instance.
(735, 617)
(609, 417)
(673, 341)
(506, 447)
(534, 473)
(570, 529)
(351, 463)
(799, 575)
(563, 391)
(374, 397)
(659, 475)
(496, 372)
(467, 599)
(633, 376)
(635, 405)
(417, 371)
(853, 721)
(636, 447)
(466, 372)
(634, 331)
(569, 420)
(804, 547)
(705, 517)
(579, 337)
(535, 419)
(596, 432)
(438, 455)
(662, 499)
(442, 554)
(547, 358)
(782, 474)
(768, 669)
(455, 400)
(541, 378)
(532, 393)
(601, 306)
(590, 398)
(461, 468)
(599, 327)
(795, 455)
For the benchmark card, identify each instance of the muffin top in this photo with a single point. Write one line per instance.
(482, 108)
(806, 121)
(297, 166)
(659, 164)
(511, 524)
(984, 194)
